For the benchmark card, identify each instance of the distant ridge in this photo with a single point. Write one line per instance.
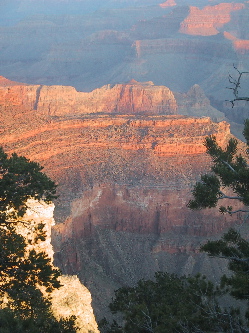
(6, 82)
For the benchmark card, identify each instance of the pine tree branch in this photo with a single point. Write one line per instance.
(239, 211)
(224, 196)
(234, 258)
(229, 166)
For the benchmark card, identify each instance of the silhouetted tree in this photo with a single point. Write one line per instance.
(172, 304)
(228, 179)
(27, 277)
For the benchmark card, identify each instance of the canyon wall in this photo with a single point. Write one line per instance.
(196, 104)
(212, 48)
(124, 159)
(130, 98)
(123, 182)
(19, 99)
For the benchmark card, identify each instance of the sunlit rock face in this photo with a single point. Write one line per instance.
(38, 212)
(123, 182)
(209, 20)
(73, 298)
(130, 98)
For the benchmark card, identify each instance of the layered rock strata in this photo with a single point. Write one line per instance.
(208, 21)
(198, 47)
(130, 98)
(124, 181)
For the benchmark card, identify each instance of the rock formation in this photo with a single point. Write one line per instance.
(130, 98)
(73, 298)
(240, 45)
(38, 212)
(8, 83)
(195, 103)
(168, 3)
(123, 179)
(212, 48)
(209, 20)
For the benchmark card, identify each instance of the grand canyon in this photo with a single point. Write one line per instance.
(115, 103)
(124, 179)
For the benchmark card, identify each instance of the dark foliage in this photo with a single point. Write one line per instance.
(171, 304)
(24, 272)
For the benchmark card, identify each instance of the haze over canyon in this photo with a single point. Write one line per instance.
(90, 44)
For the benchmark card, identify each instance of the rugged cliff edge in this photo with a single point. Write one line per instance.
(130, 98)
(124, 179)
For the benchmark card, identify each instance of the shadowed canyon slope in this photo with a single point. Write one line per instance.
(124, 177)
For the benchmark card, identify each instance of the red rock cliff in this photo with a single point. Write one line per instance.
(85, 151)
(123, 180)
(130, 98)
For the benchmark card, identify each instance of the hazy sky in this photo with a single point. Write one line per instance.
(11, 11)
